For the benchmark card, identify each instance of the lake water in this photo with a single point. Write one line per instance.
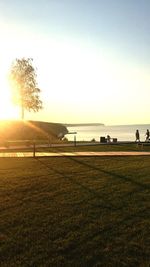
(122, 132)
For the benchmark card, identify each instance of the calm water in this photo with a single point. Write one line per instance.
(122, 133)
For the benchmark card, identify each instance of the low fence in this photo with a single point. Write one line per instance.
(43, 146)
(32, 146)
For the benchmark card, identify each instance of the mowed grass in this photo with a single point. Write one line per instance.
(96, 148)
(62, 147)
(75, 211)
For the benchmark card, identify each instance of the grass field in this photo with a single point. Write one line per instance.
(75, 211)
(98, 147)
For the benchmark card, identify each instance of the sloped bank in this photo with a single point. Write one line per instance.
(29, 130)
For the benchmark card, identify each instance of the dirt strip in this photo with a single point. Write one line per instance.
(72, 154)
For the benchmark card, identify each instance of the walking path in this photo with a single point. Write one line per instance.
(72, 154)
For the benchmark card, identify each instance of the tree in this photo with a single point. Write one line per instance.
(23, 81)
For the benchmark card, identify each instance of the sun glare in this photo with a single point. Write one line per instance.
(7, 109)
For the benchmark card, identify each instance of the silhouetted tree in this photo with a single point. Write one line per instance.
(23, 81)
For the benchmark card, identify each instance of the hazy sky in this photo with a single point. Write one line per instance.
(92, 57)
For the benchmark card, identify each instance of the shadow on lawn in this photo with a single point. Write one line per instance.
(81, 186)
(93, 193)
(140, 186)
(123, 220)
(114, 175)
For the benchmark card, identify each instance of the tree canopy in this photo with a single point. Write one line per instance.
(24, 84)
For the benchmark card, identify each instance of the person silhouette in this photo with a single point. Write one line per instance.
(147, 135)
(137, 136)
(108, 138)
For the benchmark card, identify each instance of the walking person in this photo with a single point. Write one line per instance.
(137, 136)
(108, 138)
(147, 135)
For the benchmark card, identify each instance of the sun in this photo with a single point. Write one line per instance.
(7, 110)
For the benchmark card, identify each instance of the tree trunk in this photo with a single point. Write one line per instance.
(22, 111)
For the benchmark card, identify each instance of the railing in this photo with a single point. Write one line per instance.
(43, 146)
(23, 145)
(31, 145)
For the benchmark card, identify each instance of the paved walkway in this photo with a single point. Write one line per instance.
(72, 154)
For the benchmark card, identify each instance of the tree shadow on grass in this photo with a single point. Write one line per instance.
(69, 177)
(140, 187)
(118, 227)
(110, 173)
(93, 193)
(112, 228)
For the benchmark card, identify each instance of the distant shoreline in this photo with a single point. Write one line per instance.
(82, 124)
(104, 125)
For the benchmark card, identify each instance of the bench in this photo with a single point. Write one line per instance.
(105, 140)
(114, 140)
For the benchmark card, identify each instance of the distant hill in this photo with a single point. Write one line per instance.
(31, 130)
(83, 124)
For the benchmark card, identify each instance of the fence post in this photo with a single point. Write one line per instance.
(74, 140)
(34, 149)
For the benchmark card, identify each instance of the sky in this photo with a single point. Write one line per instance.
(92, 58)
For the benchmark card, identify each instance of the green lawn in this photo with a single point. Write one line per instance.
(99, 147)
(79, 211)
